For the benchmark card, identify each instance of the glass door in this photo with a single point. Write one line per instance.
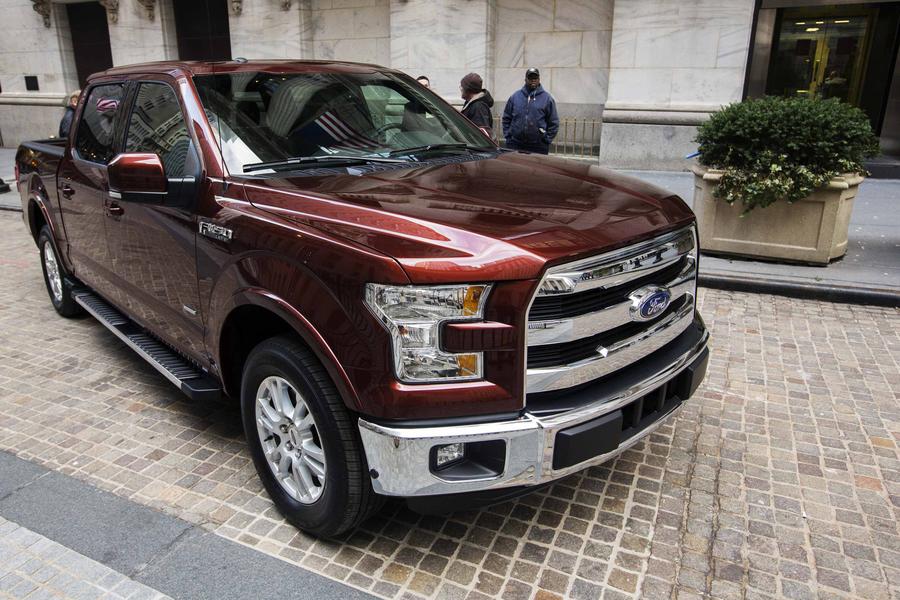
(819, 56)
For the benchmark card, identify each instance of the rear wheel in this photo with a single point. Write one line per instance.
(303, 440)
(58, 286)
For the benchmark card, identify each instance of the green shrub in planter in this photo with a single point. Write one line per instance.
(783, 148)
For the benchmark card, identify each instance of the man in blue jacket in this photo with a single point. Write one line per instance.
(530, 121)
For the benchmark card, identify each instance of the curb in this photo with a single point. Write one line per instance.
(805, 291)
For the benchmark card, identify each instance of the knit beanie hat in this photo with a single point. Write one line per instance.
(472, 83)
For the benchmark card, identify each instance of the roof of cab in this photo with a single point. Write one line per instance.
(198, 67)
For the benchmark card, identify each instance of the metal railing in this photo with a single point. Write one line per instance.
(577, 137)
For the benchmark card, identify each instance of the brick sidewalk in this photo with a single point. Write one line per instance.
(779, 478)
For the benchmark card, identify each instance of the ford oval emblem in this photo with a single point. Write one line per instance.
(649, 302)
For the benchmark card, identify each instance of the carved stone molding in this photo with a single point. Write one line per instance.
(112, 9)
(149, 6)
(42, 7)
(237, 6)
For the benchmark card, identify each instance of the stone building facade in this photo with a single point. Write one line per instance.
(650, 70)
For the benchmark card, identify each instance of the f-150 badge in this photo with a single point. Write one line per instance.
(216, 232)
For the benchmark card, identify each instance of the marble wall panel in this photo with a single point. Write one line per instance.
(554, 49)
(581, 15)
(595, 49)
(265, 30)
(357, 3)
(703, 44)
(371, 22)
(335, 24)
(707, 87)
(734, 45)
(21, 123)
(134, 38)
(507, 81)
(353, 30)
(29, 48)
(524, 15)
(580, 86)
(363, 50)
(676, 47)
(640, 87)
(509, 50)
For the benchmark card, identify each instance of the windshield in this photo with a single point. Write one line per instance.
(271, 117)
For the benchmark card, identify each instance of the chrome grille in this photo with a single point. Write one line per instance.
(582, 324)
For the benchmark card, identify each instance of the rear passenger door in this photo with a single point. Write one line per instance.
(153, 244)
(82, 181)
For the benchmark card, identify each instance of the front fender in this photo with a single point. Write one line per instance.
(301, 326)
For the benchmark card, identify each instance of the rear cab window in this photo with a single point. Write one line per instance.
(95, 139)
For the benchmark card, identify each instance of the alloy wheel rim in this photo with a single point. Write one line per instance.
(52, 268)
(290, 439)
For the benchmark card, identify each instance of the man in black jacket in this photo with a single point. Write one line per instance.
(478, 101)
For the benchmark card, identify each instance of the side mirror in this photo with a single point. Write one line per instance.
(137, 177)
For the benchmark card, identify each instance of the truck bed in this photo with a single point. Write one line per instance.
(37, 162)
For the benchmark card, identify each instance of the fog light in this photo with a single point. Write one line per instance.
(448, 454)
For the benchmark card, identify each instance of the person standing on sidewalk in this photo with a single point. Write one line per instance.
(478, 102)
(530, 121)
(66, 123)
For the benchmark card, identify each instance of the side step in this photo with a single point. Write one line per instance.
(187, 377)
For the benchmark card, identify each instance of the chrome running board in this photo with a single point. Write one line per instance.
(195, 383)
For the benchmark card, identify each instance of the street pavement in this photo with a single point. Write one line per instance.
(869, 273)
(779, 478)
(33, 566)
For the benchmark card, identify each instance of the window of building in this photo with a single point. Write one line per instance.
(95, 131)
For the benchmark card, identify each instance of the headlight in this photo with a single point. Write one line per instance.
(414, 314)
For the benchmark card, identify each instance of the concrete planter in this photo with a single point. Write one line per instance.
(811, 230)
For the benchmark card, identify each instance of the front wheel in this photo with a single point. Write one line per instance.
(303, 440)
(58, 286)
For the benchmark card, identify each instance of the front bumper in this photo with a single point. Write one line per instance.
(605, 422)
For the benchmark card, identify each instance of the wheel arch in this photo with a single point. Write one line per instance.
(38, 217)
(257, 315)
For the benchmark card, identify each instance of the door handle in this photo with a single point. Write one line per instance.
(67, 190)
(114, 210)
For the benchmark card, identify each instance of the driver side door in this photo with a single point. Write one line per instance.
(152, 240)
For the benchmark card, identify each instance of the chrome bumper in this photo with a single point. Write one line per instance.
(400, 456)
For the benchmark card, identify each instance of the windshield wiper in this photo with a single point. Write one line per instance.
(433, 147)
(342, 159)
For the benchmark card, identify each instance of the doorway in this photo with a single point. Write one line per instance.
(201, 27)
(90, 39)
(816, 56)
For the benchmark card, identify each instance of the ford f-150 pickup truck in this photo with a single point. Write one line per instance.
(401, 307)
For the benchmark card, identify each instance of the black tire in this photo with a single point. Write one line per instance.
(347, 498)
(62, 301)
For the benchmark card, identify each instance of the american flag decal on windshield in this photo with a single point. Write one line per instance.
(342, 133)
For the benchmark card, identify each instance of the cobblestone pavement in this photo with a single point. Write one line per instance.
(780, 478)
(34, 567)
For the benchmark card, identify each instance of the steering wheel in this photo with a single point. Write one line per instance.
(381, 132)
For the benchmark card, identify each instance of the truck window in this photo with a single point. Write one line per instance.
(157, 126)
(95, 131)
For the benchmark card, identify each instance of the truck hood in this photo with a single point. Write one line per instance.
(493, 219)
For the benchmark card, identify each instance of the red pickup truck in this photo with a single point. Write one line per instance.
(401, 307)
